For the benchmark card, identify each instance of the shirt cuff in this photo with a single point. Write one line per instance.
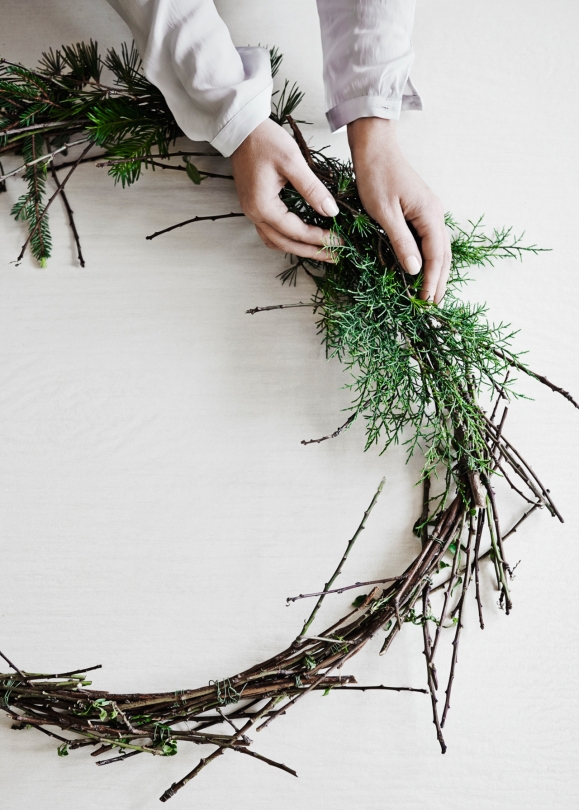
(371, 107)
(243, 123)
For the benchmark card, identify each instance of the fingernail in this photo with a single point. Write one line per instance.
(412, 265)
(330, 207)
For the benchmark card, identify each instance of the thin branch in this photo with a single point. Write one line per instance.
(345, 588)
(448, 591)
(195, 219)
(362, 688)
(151, 162)
(336, 432)
(119, 758)
(455, 642)
(278, 306)
(66, 163)
(48, 157)
(338, 570)
(433, 699)
(35, 676)
(58, 191)
(170, 792)
(501, 394)
(69, 211)
(300, 140)
(267, 760)
(540, 377)
(139, 158)
(14, 667)
(40, 127)
(204, 762)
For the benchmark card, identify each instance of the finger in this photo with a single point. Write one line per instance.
(267, 242)
(310, 187)
(278, 241)
(445, 272)
(277, 217)
(433, 251)
(402, 241)
(329, 239)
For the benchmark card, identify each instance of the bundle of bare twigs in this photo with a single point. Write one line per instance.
(125, 725)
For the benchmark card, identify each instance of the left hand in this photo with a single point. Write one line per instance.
(394, 195)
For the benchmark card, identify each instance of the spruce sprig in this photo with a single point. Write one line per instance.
(30, 207)
(42, 110)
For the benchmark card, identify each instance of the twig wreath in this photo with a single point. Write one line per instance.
(418, 372)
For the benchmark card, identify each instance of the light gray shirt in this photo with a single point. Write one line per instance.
(220, 93)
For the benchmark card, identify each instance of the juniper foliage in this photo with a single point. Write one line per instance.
(417, 369)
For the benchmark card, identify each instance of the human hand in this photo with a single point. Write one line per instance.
(266, 160)
(394, 195)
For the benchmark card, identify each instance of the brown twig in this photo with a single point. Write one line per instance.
(47, 157)
(255, 310)
(448, 591)
(14, 667)
(195, 219)
(345, 588)
(540, 377)
(50, 201)
(428, 653)
(455, 642)
(140, 158)
(336, 432)
(338, 570)
(267, 760)
(301, 142)
(69, 211)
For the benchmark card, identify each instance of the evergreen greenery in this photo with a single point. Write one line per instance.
(41, 110)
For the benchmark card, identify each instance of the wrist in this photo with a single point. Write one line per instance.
(364, 131)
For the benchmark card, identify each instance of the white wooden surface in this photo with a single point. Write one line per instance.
(156, 506)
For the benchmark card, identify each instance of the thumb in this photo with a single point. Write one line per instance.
(312, 190)
(403, 242)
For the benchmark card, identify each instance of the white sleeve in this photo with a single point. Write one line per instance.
(217, 93)
(367, 58)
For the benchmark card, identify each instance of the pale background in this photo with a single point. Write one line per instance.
(156, 506)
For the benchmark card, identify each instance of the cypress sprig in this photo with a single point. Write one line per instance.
(417, 369)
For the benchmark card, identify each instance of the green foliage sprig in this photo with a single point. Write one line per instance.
(41, 110)
(417, 369)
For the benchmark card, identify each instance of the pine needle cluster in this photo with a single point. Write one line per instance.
(42, 110)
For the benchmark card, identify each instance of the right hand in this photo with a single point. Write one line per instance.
(394, 195)
(262, 165)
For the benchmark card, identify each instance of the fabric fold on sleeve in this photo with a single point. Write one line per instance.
(368, 53)
(217, 92)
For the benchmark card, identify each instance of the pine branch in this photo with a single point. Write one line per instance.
(37, 231)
